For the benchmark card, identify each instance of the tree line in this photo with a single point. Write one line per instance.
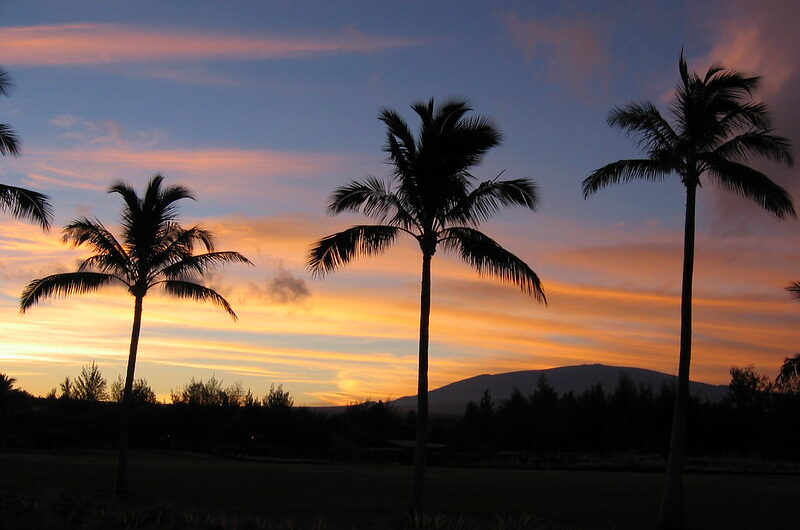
(533, 427)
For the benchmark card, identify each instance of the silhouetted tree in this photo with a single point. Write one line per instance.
(141, 392)
(90, 385)
(155, 251)
(67, 388)
(20, 202)
(278, 398)
(716, 129)
(746, 384)
(201, 392)
(430, 196)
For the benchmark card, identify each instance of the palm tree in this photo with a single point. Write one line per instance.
(430, 196)
(715, 128)
(21, 203)
(789, 376)
(7, 392)
(788, 379)
(155, 251)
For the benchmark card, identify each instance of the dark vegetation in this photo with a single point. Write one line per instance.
(625, 427)
(191, 490)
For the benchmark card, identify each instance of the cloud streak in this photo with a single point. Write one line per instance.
(87, 44)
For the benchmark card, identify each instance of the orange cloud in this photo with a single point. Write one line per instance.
(78, 44)
(355, 336)
(225, 174)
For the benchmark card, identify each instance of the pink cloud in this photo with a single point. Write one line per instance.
(113, 43)
(760, 38)
(574, 46)
(219, 172)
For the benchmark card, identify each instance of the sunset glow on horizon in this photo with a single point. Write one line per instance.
(264, 111)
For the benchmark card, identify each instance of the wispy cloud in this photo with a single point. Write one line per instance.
(226, 174)
(90, 43)
(573, 48)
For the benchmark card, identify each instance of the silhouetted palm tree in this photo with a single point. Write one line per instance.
(789, 375)
(788, 378)
(430, 196)
(21, 203)
(155, 251)
(7, 392)
(715, 129)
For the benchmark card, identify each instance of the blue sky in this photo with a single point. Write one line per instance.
(263, 108)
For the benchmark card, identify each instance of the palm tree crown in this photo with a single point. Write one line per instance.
(716, 129)
(154, 251)
(20, 202)
(430, 196)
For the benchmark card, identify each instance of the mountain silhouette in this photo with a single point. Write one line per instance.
(453, 398)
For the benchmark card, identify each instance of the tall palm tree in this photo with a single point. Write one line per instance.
(430, 196)
(715, 128)
(155, 251)
(789, 375)
(20, 202)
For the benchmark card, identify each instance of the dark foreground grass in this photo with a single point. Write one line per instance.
(362, 496)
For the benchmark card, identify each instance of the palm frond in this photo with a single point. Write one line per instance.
(373, 197)
(625, 171)
(684, 70)
(168, 197)
(492, 196)
(333, 251)
(194, 291)
(486, 256)
(130, 197)
(6, 85)
(175, 243)
(93, 233)
(60, 285)
(26, 204)
(789, 370)
(761, 143)
(794, 288)
(750, 183)
(9, 141)
(106, 264)
(741, 115)
(201, 263)
(400, 143)
(643, 119)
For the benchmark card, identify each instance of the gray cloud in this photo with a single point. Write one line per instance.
(286, 289)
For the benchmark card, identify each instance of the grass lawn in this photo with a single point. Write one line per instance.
(376, 496)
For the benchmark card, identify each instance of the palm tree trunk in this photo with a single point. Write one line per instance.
(671, 512)
(125, 407)
(420, 452)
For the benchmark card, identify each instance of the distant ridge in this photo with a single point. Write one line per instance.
(453, 398)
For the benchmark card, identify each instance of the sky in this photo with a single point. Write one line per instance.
(262, 108)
